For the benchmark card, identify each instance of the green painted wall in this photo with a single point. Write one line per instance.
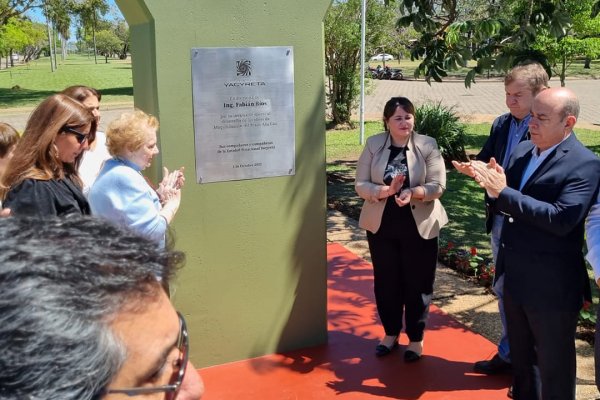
(255, 278)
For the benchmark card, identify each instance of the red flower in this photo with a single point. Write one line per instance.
(587, 305)
(450, 245)
(473, 251)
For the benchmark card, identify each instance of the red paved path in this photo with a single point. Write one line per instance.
(346, 368)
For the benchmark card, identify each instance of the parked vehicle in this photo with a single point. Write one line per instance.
(396, 74)
(384, 73)
(382, 57)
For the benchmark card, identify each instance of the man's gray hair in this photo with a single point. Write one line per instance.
(570, 106)
(62, 281)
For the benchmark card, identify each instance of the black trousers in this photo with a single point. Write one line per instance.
(404, 271)
(542, 351)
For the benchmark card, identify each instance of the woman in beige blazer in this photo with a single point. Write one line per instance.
(401, 176)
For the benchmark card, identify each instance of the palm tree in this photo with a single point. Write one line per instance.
(88, 11)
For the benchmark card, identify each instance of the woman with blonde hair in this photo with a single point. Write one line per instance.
(41, 178)
(121, 194)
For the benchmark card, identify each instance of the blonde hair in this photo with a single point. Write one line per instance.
(532, 73)
(128, 132)
(36, 156)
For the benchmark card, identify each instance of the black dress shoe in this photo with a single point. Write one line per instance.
(382, 350)
(491, 367)
(411, 356)
(509, 394)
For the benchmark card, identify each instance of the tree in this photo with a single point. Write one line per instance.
(497, 38)
(342, 50)
(108, 43)
(12, 37)
(22, 36)
(582, 39)
(121, 29)
(15, 8)
(89, 12)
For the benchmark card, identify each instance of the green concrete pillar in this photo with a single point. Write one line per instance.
(255, 278)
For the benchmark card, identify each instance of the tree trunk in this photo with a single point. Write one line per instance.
(94, 37)
(563, 71)
(54, 44)
(52, 67)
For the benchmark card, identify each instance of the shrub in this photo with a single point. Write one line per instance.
(468, 263)
(441, 123)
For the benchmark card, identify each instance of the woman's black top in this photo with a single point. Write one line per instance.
(54, 197)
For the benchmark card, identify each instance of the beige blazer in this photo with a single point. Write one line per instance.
(426, 169)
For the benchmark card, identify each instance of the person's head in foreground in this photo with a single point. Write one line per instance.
(132, 136)
(521, 84)
(82, 315)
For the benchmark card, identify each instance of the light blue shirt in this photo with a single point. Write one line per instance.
(536, 161)
(515, 134)
(592, 237)
(122, 195)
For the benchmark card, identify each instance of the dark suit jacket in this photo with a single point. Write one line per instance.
(495, 146)
(542, 236)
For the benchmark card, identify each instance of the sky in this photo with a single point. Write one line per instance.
(37, 15)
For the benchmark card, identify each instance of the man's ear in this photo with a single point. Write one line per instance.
(570, 121)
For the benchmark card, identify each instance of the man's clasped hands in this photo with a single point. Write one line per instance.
(489, 176)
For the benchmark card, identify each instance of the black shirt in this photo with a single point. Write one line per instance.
(54, 197)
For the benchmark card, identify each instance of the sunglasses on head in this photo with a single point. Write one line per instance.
(80, 137)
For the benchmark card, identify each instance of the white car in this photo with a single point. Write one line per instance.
(382, 57)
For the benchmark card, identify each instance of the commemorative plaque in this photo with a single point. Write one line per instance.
(243, 112)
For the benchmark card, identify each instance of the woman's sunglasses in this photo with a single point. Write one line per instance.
(80, 137)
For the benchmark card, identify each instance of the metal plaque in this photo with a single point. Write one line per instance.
(243, 112)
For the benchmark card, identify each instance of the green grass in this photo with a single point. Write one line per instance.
(27, 85)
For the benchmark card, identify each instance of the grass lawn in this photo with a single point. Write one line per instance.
(27, 85)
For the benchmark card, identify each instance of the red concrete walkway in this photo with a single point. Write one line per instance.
(346, 367)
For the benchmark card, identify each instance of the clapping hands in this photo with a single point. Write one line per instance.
(489, 176)
(171, 184)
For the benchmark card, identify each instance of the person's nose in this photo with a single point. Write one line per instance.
(532, 122)
(192, 387)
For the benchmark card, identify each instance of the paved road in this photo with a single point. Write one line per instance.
(484, 100)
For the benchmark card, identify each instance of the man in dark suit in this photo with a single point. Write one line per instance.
(521, 84)
(549, 186)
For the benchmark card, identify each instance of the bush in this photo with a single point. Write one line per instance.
(441, 123)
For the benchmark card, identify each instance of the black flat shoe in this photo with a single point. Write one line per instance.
(382, 350)
(411, 356)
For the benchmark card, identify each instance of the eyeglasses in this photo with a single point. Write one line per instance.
(80, 137)
(183, 344)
